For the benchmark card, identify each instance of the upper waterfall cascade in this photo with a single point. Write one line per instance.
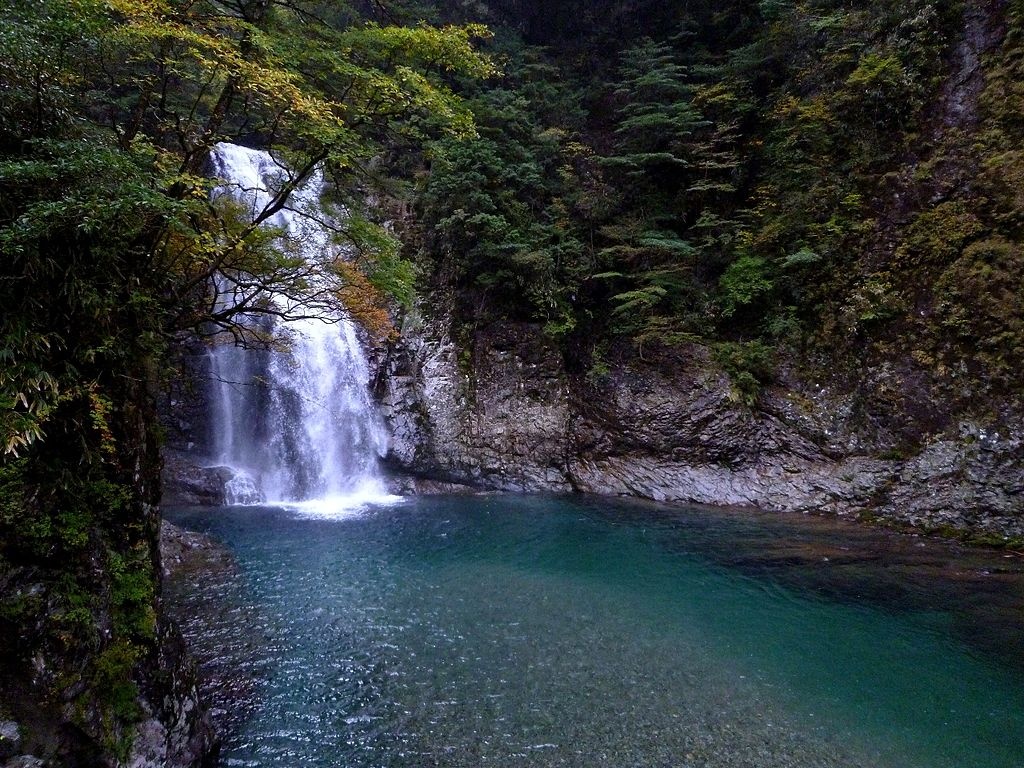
(295, 423)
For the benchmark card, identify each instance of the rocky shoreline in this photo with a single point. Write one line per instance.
(212, 630)
(508, 414)
(503, 410)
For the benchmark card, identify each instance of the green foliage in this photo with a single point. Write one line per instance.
(874, 300)
(981, 303)
(883, 91)
(111, 686)
(938, 235)
(741, 173)
(17, 610)
(497, 209)
(749, 365)
(857, 81)
(744, 283)
(13, 490)
(113, 678)
(133, 594)
(25, 532)
(657, 120)
(674, 169)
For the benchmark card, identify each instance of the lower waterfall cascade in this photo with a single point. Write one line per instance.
(294, 423)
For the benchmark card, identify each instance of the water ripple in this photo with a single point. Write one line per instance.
(552, 632)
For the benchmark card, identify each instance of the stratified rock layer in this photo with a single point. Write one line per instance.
(506, 414)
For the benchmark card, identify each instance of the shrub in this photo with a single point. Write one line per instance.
(749, 365)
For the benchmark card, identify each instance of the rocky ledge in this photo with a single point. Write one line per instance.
(504, 412)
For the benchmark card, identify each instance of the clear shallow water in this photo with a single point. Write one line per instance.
(514, 631)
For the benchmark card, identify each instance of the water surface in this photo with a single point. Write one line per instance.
(532, 631)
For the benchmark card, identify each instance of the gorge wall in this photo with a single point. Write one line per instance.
(506, 413)
(874, 253)
(92, 673)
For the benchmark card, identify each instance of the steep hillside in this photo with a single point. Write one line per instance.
(760, 253)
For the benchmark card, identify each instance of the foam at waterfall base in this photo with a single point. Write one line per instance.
(341, 506)
(242, 489)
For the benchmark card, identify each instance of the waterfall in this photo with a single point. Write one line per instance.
(294, 422)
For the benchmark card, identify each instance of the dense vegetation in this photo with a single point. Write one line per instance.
(762, 178)
(758, 177)
(111, 249)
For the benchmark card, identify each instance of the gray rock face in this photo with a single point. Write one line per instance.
(10, 739)
(497, 419)
(506, 415)
(185, 483)
(179, 734)
(971, 482)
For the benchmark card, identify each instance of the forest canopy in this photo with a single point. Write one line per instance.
(108, 236)
(803, 177)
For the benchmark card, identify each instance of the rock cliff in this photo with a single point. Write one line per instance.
(504, 412)
(92, 673)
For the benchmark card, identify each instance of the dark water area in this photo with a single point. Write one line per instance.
(539, 631)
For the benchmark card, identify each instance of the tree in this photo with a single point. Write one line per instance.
(496, 208)
(673, 164)
(657, 120)
(111, 245)
(114, 108)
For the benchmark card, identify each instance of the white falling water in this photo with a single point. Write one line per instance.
(295, 424)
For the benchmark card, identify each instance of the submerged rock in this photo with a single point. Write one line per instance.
(187, 551)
